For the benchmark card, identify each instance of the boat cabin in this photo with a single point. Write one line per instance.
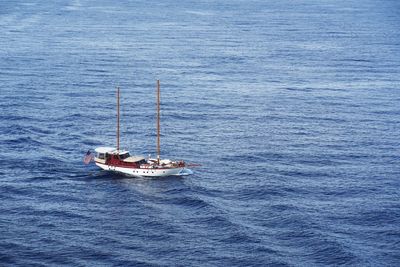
(112, 156)
(104, 153)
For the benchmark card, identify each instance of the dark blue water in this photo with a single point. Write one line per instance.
(291, 107)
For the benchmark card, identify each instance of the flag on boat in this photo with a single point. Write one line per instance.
(88, 157)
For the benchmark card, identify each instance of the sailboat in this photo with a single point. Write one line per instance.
(118, 160)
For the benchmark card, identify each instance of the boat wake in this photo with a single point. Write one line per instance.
(185, 172)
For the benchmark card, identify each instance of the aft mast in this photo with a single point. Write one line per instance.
(158, 122)
(117, 119)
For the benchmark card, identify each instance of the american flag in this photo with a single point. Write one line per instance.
(88, 157)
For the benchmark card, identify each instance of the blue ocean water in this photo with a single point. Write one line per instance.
(291, 107)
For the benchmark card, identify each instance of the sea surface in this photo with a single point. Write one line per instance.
(292, 108)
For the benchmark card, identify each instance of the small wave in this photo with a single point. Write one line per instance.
(242, 238)
(190, 202)
(22, 143)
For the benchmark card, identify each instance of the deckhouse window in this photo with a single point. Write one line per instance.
(124, 156)
(101, 156)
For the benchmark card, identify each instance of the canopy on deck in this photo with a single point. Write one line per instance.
(104, 149)
(134, 159)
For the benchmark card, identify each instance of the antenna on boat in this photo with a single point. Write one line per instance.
(158, 122)
(117, 119)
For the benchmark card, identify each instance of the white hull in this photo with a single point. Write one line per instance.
(150, 172)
